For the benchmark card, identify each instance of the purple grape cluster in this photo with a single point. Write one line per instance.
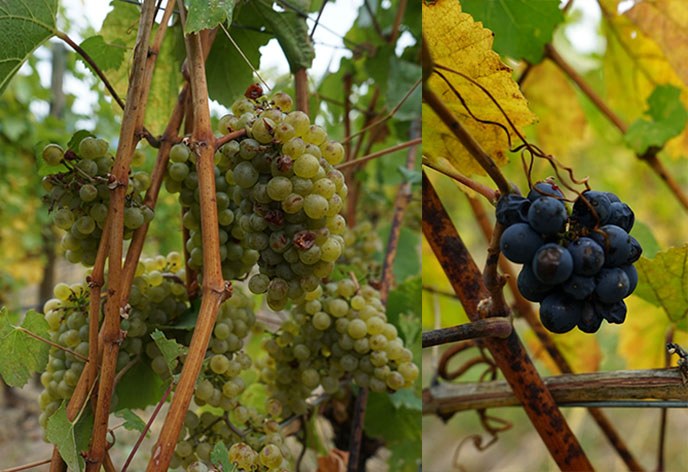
(577, 265)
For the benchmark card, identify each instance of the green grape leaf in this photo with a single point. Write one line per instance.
(169, 348)
(204, 14)
(406, 398)
(219, 457)
(663, 281)
(227, 71)
(668, 118)
(405, 298)
(521, 27)
(77, 137)
(139, 387)
(403, 75)
(401, 427)
(646, 238)
(187, 320)
(132, 421)
(60, 431)
(291, 31)
(25, 25)
(83, 429)
(107, 56)
(20, 353)
(255, 395)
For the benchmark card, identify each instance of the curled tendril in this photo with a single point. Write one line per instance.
(532, 149)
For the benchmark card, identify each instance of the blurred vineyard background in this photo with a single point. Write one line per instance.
(623, 62)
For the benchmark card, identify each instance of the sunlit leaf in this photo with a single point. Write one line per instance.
(581, 350)
(456, 41)
(107, 56)
(663, 281)
(60, 431)
(204, 14)
(20, 353)
(521, 27)
(169, 348)
(667, 116)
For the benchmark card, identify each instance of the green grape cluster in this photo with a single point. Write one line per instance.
(334, 333)
(242, 428)
(278, 199)
(79, 197)
(157, 298)
(362, 244)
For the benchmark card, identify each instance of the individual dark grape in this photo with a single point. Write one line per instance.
(579, 286)
(632, 274)
(552, 264)
(559, 314)
(636, 251)
(530, 287)
(547, 215)
(612, 312)
(584, 214)
(618, 247)
(621, 216)
(612, 285)
(590, 321)
(512, 209)
(519, 243)
(588, 256)
(612, 197)
(545, 189)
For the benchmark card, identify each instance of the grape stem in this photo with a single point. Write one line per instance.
(650, 157)
(387, 279)
(228, 137)
(233, 428)
(66, 349)
(112, 336)
(215, 289)
(490, 327)
(525, 309)
(147, 427)
(509, 354)
(361, 160)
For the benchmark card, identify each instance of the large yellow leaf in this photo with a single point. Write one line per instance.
(643, 335)
(666, 21)
(458, 42)
(633, 66)
(548, 93)
(581, 350)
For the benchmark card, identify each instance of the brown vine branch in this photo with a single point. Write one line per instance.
(112, 336)
(660, 384)
(509, 354)
(215, 290)
(649, 157)
(525, 309)
(466, 139)
(490, 327)
(401, 9)
(228, 137)
(301, 90)
(361, 160)
(317, 19)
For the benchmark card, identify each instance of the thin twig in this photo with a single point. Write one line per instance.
(317, 19)
(147, 427)
(401, 9)
(376, 25)
(374, 155)
(386, 117)
(482, 189)
(66, 349)
(126, 368)
(27, 466)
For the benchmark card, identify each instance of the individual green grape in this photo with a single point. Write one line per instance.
(299, 121)
(283, 101)
(306, 166)
(63, 218)
(88, 193)
(332, 151)
(90, 148)
(133, 218)
(179, 153)
(52, 154)
(315, 135)
(85, 224)
(294, 147)
(178, 171)
(315, 206)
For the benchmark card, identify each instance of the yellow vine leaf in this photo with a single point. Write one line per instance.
(581, 350)
(458, 42)
(666, 21)
(633, 66)
(643, 335)
(548, 93)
